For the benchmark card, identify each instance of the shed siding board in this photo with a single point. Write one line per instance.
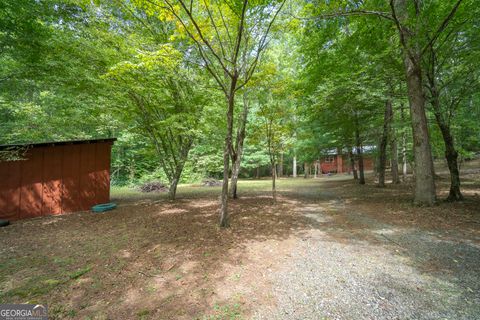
(102, 167)
(71, 179)
(52, 184)
(10, 175)
(87, 176)
(31, 189)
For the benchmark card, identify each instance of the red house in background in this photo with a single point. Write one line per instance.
(55, 178)
(336, 162)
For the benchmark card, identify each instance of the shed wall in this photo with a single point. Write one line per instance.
(55, 180)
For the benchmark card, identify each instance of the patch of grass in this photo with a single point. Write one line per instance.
(143, 314)
(32, 288)
(41, 285)
(151, 289)
(80, 272)
(225, 312)
(196, 190)
(61, 312)
(63, 261)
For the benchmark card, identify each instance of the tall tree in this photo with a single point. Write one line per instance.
(223, 33)
(165, 104)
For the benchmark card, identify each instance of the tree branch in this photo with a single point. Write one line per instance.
(442, 27)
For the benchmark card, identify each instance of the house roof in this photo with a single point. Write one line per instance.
(54, 143)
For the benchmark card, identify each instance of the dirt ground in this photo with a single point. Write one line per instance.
(311, 255)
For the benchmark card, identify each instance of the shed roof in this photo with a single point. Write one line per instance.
(55, 143)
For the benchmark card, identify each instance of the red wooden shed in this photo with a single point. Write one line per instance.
(55, 178)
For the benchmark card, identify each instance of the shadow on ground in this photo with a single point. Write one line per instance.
(156, 259)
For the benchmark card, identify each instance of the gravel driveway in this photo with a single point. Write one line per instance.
(377, 272)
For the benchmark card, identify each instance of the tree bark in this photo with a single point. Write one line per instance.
(274, 188)
(237, 158)
(382, 163)
(451, 154)
(172, 191)
(394, 156)
(305, 170)
(352, 164)
(424, 173)
(294, 167)
(404, 148)
(358, 142)
(234, 179)
(224, 219)
(452, 160)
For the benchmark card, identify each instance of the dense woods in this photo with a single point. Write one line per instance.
(228, 89)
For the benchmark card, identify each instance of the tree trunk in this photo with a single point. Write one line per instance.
(382, 163)
(257, 173)
(358, 141)
(237, 159)
(451, 156)
(360, 165)
(424, 174)
(274, 188)
(394, 155)
(294, 168)
(224, 220)
(360, 157)
(172, 191)
(404, 149)
(305, 170)
(452, 160)
(234, 178)
(352, 164)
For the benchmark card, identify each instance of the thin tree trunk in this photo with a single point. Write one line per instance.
(234, 179)
(404, 148)
(305, 172)
(257, 173)
(359, 151)
(294, 167)
(274, 188)
(425, 193)
(352, 164)
(224, 220)
(452, 160)
(394, 156)
(237, 159)
(383, 143)
(451, 153)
